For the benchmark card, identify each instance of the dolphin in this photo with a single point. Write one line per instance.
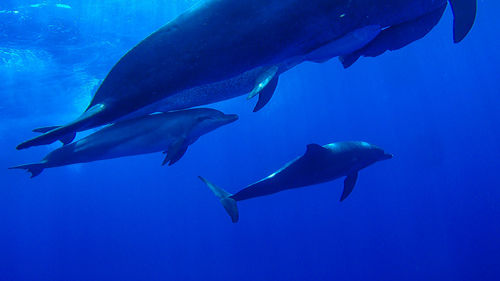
(318, 165)
(220, 49)
(170, 132)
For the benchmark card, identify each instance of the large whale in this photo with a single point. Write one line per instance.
(170, 132)
(318, 165)
(220, 49)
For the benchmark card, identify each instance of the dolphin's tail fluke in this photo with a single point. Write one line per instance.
(64, 133)
(34, 169)
(225, 198)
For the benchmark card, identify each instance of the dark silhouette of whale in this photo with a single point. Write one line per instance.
(224, 48)
(318, 165)
(170, 132)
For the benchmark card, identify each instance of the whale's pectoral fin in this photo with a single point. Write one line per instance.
(349, 183)
(67, 139)
(265, 86)
(396, 37)
(175, 152)
(464, 13)
(227, 202)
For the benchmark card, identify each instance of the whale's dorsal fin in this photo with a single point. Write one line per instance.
(464, 13)
(265, 85)
(349, 183)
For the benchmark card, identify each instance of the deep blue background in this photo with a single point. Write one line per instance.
(431, 213)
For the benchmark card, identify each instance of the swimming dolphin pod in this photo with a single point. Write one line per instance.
(199, 58)
(170, 132)
(318, 165)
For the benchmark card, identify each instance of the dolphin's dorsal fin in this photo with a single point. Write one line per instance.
(175, 151)
(314, 150)
(464, 13)
(80, 124)
(265, 85)
(349, 183)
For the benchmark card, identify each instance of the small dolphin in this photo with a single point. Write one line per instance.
(170, 132)
(221, 49)
(318, 165)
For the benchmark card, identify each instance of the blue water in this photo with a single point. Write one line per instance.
(431, 213)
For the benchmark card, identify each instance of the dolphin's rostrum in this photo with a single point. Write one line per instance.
(318, 165)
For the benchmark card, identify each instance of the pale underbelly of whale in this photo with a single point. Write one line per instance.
(205, 94)
(245, 83)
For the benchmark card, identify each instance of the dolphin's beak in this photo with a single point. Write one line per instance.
(387, 156)
(230, 118)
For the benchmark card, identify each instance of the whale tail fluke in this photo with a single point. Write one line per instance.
(227, 202)
(65, 133)
(35, 169)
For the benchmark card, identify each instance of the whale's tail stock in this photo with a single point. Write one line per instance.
(227, 202)
(65, 133)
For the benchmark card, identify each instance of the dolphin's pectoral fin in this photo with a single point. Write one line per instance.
(175, 152)
(396, 37)
(464, 13)
(265, 85)
(67, 139)
(349, 183)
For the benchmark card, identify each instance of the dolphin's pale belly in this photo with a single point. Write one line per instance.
(137, 146)
(85, 150)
